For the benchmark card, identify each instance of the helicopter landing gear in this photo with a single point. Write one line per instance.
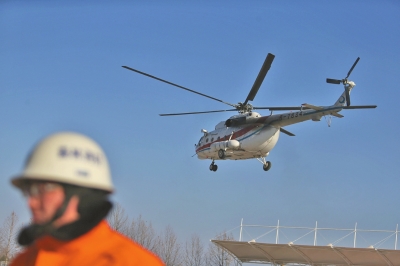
(221, 154)
(267, 165)
(213, 166)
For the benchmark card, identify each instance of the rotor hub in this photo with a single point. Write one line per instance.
(244, 108)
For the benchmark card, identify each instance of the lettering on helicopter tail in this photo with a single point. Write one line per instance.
(290, 115)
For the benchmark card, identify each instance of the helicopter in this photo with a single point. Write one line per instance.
(249, 135)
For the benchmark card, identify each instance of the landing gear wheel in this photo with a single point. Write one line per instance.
(267, 166)
(213, 167)
(221, 154)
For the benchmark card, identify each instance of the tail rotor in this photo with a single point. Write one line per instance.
(345, 82)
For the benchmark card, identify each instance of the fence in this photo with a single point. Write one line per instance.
(353, 237)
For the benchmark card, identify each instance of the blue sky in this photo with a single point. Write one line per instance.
(61, 70)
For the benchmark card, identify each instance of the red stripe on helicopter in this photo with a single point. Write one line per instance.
(235, 135)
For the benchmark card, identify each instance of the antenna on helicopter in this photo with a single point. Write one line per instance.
(345, 82)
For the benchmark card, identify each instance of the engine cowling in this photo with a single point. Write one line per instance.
(245, 119)
(232, 122)
(239, 121)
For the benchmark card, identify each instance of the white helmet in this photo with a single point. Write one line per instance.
(69, 158)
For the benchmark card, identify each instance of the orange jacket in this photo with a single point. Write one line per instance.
(100, 246)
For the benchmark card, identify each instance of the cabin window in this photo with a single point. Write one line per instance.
(206, 140)
(218, 138)
(212, 139)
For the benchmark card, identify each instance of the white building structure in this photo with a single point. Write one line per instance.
(314, 246)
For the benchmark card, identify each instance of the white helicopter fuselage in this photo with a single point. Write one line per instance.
(239, 142)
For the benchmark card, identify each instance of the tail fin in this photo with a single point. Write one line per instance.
(348, 86)
(342, 99)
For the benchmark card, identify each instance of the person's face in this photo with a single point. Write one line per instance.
(44, 199)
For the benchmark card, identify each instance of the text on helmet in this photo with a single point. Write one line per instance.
(79, 154)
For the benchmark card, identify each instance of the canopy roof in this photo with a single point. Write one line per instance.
(310, 255)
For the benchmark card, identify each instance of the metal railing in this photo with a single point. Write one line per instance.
(353, 237)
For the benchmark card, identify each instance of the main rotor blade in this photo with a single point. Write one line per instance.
(292, 108)
(196, 113)
(176, 85)
(359, 107)
(333, 81)
(351, 69)
(287, 132)
(282, 108)
(260, 78)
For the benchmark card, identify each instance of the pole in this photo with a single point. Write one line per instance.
(241, 227)
(277, 233)
(315, 233)
(355, 235)
(397, 230)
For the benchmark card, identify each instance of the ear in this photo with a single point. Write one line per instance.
(73, 203)
(70, 214)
